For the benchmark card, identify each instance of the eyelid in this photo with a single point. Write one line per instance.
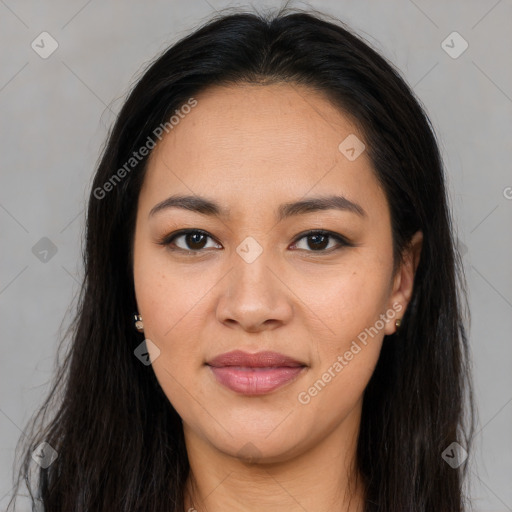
(168, 239)
(310, 232)
(342, 241)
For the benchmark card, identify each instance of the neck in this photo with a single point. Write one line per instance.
(321, 478)
(283, 499)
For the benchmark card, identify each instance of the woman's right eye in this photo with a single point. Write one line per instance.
(192, 240)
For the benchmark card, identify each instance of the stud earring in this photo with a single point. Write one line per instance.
(138, 323)
(398, 323)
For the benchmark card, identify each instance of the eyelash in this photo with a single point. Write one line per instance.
(169, 239)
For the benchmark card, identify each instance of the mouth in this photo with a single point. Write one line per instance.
(257, 360)
(255, 374)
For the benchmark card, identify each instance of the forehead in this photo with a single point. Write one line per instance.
(263, 141)
(278, 122)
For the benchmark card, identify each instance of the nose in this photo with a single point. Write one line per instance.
(254, 296)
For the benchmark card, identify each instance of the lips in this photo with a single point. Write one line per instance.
(258, 360)
(254, 374)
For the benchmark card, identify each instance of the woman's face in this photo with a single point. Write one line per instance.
(254, 280)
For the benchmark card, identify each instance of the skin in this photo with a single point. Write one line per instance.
(252, 148)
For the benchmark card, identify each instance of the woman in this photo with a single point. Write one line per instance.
(271, 314)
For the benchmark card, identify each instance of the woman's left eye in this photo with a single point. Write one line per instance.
(195, 240)
(319, 240)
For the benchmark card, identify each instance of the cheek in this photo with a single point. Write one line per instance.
(349, 303)
(348, 348)
(351, 307)
(172, 302)
(166, 296)
(339, 385)
(169, 309)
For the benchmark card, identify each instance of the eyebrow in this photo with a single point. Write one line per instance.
(209, 207)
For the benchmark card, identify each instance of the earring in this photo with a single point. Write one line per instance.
(138, 323)
(398, 323)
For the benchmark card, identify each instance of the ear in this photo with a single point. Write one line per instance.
(403, 280)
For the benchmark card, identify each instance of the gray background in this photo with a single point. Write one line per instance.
(56, 111)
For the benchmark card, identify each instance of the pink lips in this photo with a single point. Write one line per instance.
(254, 374)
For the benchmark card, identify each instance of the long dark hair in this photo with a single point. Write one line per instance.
(119, 441)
